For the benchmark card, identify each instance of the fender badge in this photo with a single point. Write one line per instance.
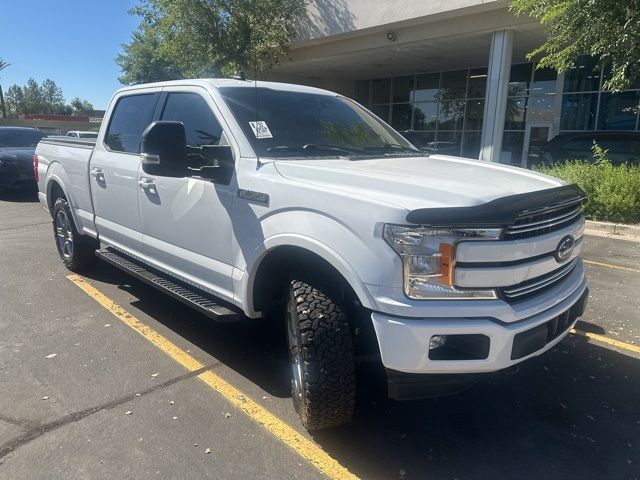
(565, 248)
(253, 196)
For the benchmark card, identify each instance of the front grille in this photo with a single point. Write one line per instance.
(528, 288)
(548, 220)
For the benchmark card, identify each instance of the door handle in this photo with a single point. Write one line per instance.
(147, 184)
(97, 173)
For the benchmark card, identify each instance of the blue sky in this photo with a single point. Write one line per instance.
(73, 42)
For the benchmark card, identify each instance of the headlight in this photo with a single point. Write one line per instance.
(428, 257)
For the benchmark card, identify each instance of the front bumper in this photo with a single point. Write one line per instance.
(405, 342)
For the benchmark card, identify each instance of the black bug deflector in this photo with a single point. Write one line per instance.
(499, 212)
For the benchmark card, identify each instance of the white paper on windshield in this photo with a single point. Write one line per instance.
(260, 129)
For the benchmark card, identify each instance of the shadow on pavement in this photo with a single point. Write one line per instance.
(571, 413)
(590, 327)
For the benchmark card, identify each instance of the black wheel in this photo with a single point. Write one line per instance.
(76, 251)
(320, 343)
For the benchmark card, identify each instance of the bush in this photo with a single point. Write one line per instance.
(613, 191)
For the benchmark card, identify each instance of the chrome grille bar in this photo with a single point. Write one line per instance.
(525, 227)
(539, 283)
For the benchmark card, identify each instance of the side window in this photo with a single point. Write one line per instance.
(192, 110)
(130, 117)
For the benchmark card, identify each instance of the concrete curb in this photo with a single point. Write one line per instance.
(614, 228)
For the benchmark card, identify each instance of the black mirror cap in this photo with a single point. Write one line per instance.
(163, 149)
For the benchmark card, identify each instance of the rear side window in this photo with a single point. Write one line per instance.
(132, 114)
(200, 124)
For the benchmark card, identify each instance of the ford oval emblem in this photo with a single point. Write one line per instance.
(565, 248)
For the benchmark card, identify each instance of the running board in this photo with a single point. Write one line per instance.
(195, 298)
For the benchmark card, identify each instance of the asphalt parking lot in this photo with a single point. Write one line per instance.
(85, 395)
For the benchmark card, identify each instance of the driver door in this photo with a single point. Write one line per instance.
(186, 224)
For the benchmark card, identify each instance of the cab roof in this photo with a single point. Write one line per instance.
(216, 83)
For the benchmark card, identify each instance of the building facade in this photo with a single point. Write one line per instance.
(452, 76)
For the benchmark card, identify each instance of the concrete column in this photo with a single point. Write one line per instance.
(495, 105)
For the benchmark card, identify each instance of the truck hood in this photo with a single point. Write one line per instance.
(417, 182)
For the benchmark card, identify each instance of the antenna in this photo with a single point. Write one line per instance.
(255, 88)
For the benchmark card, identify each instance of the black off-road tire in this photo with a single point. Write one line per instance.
(78, 254)
(323, 359)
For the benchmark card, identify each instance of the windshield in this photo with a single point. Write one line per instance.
(19, 138)
(88, 135)
(301, 124)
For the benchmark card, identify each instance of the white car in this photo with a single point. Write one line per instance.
(82, 134)
(248, 199)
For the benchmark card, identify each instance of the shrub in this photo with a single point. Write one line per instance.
(613, 191)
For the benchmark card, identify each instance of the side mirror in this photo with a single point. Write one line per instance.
(163, 149)
(215, 162)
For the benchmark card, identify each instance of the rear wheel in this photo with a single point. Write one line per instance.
(76, 251)
(320, 353)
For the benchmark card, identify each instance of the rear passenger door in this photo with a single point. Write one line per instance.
(186, 221)
(114, 171)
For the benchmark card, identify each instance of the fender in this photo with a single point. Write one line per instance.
(362, 259)
(56, 173)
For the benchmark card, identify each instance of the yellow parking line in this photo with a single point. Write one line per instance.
(301, 445)
(600, 264)
(609, 341)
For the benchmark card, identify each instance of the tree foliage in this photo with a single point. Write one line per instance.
(3, 64)
(198, 38)
(142, 61)
(81, 107)
(46, 97)
(608, 30)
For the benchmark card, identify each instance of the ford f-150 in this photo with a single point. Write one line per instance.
(245, 198)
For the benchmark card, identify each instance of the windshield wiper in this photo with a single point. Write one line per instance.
(317, 146)
(393, 146)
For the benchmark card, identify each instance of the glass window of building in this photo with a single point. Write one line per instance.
(619, 111)
(381, 91)
(401, 116)
(579, 111)
(402, 88)
(583, 77)
(453, 84)
(427, 88)
(474, 115)
(544, 81)
(477, 83)
(361, 92)
(425, 115)
(451, 114)
(520, 79)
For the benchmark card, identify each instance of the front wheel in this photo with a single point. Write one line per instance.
(321, 354)
(76, 251)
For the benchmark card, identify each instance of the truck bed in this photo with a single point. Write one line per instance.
(67, 159)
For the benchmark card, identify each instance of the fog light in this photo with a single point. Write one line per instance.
(459, 347)
(437, 341)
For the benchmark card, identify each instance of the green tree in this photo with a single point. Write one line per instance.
(33, 98)
(608, 30)
(142, 61)
(14, 99)
(52, 97)
(81, 107)
(209, 37)
(3, 109)
(44, 98)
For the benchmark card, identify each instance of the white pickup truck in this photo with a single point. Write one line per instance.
(244, 199)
